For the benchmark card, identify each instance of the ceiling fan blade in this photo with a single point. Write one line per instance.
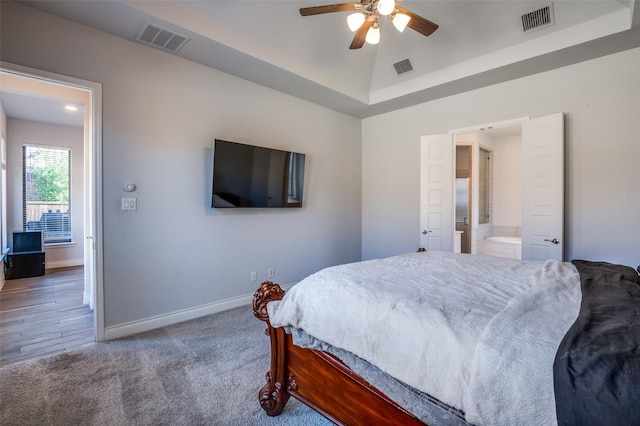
(317, 10)
(361, 34)
(418, 23)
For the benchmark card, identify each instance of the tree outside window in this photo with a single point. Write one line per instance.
(46, 192)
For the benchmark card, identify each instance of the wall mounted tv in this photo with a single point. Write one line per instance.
(253, 176)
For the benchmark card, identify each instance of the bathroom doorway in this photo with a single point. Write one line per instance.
(539, 179)
(488, 194)
(464, 199)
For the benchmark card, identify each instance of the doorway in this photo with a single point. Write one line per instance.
(464, 198)
(490, 206)
(45, 86)
(539, 182)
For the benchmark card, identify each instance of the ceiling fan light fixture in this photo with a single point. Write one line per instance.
(386, 7)
(355, 21)
(373, 35)
(364, 16)
(400, 21)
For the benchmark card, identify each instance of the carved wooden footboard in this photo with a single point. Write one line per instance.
(319, 379)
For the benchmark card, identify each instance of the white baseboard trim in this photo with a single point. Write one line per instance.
(1, 274)
(63, 263)
(139, 326)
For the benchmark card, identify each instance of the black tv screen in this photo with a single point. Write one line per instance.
(24, 241)
(253, 176)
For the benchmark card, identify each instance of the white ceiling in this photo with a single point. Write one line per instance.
(478, 43)
(40, 108)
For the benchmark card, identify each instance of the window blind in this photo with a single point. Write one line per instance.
(46, 195)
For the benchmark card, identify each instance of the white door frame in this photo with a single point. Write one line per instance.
(448, 231)
(93, 144)
(555, 237)
(475, 222)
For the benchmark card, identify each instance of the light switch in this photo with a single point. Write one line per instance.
(129, 204)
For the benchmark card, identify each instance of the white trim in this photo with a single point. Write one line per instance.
(151, 323)
(2, 281)
(63, 263)
(494, 124)
(95, 91)
(146, 324)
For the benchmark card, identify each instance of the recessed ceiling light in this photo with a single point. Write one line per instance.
(71, 108)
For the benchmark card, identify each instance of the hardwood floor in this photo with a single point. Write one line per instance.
(43, 315)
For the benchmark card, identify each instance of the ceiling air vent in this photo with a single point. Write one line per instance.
(161, 38)
(536, 19)
(403, 67)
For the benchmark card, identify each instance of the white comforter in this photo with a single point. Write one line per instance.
(420, 318)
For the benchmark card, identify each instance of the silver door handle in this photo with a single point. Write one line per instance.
(554, 241)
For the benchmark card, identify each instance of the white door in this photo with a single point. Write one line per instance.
(89, 223)
(543, 188)
(436, 192)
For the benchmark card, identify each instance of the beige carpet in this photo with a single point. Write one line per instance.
(207, 371)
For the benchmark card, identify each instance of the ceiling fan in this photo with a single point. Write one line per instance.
(365, 19)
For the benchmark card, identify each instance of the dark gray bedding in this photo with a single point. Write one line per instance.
(597, 366)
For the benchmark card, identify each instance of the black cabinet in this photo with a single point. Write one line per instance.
(26, 258)
(23, 264)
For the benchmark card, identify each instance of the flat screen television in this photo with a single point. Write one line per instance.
(25, 241)
(253, 176)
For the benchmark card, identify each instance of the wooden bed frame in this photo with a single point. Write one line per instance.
(319, 379)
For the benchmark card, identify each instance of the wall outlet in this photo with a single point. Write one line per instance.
(271, 272)
(254, 276)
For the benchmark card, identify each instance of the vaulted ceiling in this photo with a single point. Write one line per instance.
(478, 42)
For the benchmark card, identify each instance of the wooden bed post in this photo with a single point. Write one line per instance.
(275, 394)
(319, 379)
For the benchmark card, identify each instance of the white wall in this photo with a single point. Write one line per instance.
(21, 132)
(160, 116)
(601, 100)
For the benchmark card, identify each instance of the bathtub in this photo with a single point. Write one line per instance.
(509, 247)
(509, 240)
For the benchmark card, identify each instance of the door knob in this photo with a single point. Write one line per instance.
(425, 232)
(554, 241)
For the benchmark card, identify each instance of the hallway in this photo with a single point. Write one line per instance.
(43, 315)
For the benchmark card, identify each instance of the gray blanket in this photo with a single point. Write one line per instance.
(512, 371)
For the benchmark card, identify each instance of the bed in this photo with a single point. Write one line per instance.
(454, 339)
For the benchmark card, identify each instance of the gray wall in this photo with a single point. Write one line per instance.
(20, 132)
(160, 116)
(600, 99)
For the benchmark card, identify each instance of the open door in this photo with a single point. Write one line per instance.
(543, 188)
(436, 194)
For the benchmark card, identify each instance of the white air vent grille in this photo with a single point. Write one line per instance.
(403, 67)
(536, 19)
(162, 38)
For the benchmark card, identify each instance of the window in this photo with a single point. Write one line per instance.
(46, 192)
(295, 178)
